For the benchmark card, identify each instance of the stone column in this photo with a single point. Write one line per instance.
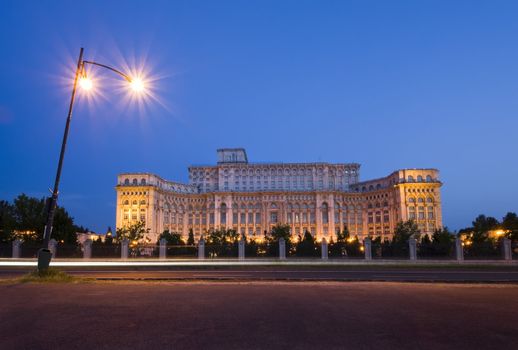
(325, 253)
(201, 249)
(241, 248)
(163, 248)
(53, 245)
(17, 248)
(459, 251)
(506, 249)
(282, 249)
(367, 245)
(124, 248)
(412, 248)
(87, 249)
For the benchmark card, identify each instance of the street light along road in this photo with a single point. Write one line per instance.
(136, 84)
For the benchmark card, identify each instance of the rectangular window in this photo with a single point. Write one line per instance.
(430, 213)
(386, 216)
(421, 213)
(312, 217)
(234, 218)
(243, 218)
(378, 217)
(411, 213)
(211, 218)
(273, 217)
(257, 218)
(371, 218)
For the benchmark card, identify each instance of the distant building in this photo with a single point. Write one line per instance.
(83, 236)
(252, 197)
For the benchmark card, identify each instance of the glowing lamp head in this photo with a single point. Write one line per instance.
(137, 85)
(85, 83)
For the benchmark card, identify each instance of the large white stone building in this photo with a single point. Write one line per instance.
(252, 197)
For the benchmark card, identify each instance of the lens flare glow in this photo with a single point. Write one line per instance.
(137, 84)
(85, 83)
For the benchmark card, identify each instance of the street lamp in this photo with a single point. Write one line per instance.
(136, 84)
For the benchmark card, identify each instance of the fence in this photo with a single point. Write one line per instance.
(501, 250)
(483, 251)
(436, 250)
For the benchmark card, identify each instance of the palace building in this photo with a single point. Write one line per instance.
(251, 198)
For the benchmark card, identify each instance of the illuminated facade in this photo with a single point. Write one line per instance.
(252, 197)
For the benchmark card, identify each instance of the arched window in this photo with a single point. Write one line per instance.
(420, 200)
(134, 202)
(371, 188)
(142, 202)
(126, 202)
(428, 178)
(126, 182)
(325, 213)
(411, 200)
(135, 182)
(223, 212)
(410, 178)
(143, 182)
(429, 200)
(378, 186)
(419, 178)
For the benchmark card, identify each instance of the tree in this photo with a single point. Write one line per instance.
(342, 237)
(398, 247)
(222, 242)
(443, 236)
(510, 225)
(133, 232)
(307, 245)
(272, 238)
(26, 218)
(441, 244)
(404, 231)
(345, 245)
(190, 238)
(481, 227)
(7, 221)
(172, 238)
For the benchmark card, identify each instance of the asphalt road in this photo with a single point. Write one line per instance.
(258, 315)
(493, 275)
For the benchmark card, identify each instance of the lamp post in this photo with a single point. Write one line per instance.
(44, 255)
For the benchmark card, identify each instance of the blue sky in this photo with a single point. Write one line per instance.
(388, 84)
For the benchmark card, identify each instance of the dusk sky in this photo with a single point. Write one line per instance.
(387, 84)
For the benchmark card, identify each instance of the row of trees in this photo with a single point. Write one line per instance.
(25, 219)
